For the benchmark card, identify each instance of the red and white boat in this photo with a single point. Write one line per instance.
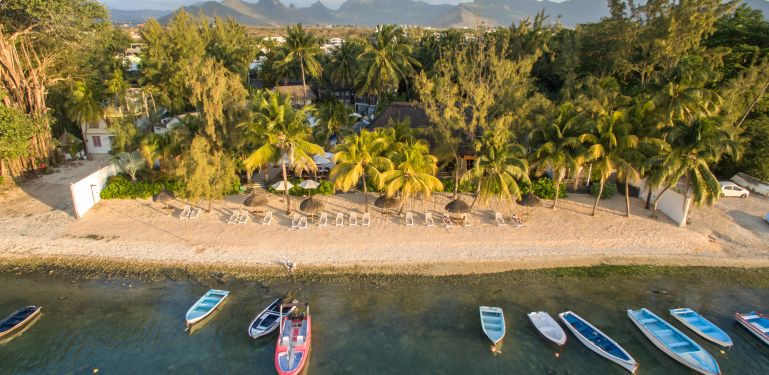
(756, 323)
(293, 349)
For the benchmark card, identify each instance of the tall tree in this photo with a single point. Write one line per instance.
(343, 66)
(83, 108)
(360, 159)
(207, 173)
(413, 173)
(303, 48)
(499, 167)
(386, 61)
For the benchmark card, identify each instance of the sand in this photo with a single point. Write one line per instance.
(36, 222)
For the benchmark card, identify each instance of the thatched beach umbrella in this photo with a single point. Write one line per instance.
(458, 206)
(311, 206)
(255, 199)
(530, 200)
(164, 196)
(386, 202)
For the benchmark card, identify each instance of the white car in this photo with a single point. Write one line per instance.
(730, 189)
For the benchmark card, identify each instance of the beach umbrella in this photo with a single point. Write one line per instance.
(321, 160)
(164, 196)
(309, 184)
(255, 200)
(281, 186)
(458, 206)
(386, 202)
(311, 206)
(529, 200)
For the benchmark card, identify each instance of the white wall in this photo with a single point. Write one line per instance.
(671, 203)
(85, 193)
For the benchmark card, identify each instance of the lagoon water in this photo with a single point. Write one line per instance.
(371, 325)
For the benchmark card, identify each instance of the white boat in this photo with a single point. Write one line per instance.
(673, 342)
(548, 327)
(493, 323)
(598, 341)
(205, 306)
(701, 326)
(268, 320)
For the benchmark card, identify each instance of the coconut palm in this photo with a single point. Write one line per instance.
(386, 61)
(302, 47)
(343, 67)
(559, 146)
(284, 136)
(82, 106)
(498, 168)
(359, 159)
(413, 173)
(334, 120)
(693, 148)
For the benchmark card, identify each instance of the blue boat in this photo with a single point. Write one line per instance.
(673, 342)
(597, 341)
(756, 323)
(205, 306)
(17, 321)
(701, 326)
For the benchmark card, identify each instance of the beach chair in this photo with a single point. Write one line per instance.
(302, 222)
(366, 219)
(429, 219)
(499, 220)
(353, 219)
(339, 219)
(323, 221)
(295, 222)
(234, 217)
(447, 221)
(409, 219)
(194, 213)
(185, 212)
(267, 220)
(466, 220)
(243, 219)
(516, 221)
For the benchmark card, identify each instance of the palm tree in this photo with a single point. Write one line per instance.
(386, 61)
(693, 147)
(359, 159)
(413, 173)
(343, 67)
(613, 149)
(83, 108)
(334, 119)
(559, 146)
(498, 168)
(284, 136)
(304, 48)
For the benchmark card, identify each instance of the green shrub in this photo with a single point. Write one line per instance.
(466, 186)
(121, 187)
(609, 189)
(544, 188)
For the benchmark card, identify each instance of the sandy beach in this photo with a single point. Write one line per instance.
(36, 222)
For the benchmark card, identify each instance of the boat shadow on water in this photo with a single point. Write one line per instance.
(6, 340)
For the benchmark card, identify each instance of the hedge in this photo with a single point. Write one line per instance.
(609, 189)
(543, 188)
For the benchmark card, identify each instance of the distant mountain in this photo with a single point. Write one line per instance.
(408, 12)
(135, 16)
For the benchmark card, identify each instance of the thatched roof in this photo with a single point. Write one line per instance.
(458, 206)
(255, 199)
(385, 202)
(311, 205)
(295, 92)
(399, 111)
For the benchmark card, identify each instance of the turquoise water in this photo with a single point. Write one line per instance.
(396, 325)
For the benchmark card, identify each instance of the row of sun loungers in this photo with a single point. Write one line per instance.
(189, 213)
(241, 217)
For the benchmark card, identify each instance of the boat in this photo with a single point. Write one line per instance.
(293, 348)
(756, 323)
(205, 306)
(598, 341)
(14, 323)
(674, 342)
(701, 326)
(548, 327)
(268, 320)
(493, 323)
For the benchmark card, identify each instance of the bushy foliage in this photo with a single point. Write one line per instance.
(120, 187)
(544, 188)
(609, 189)
(465, 186)
(15, 130)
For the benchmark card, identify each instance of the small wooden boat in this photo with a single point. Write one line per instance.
(268, 320)
(756, 323)
(548, 327)
(673, 342)
(493, 323)
(293, 348)
(701, 326)
(205, 306)
(598, 341)
(19, 319)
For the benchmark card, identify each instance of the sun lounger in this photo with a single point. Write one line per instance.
(516, 221)
(185, 212)
(303, 222)
(295, 221)
(267, 218)
(429, 219)
(323, 221)
(339, 219)
(234, 217)
(499, 220)
(366, 219)
(194, 213)
(409, 219)
(243, 219)
(466, 220)
(353, 219)
(447, 221)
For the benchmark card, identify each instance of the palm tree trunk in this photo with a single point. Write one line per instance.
(304, 85)
(477, 194)
(457, 160)
(365, 191)
(648, 197)
(598, 198)
(657, 199)
(627, 199)
(687, 203)
(285, 184)
(557, 188)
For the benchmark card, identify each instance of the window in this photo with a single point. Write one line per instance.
(96, 141)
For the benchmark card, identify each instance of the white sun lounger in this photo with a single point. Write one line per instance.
(466, 220)
(353, 219)
(243, 219)
(339, 219)
(366, 219)
(447, 221)
(429, 219)
(323, 221)
(194, 213)
(499, 220)
(234, 217)
(295, 221)
(516, 221)
(303, 222)
(185, 212)
(409, 219)
(267, 218)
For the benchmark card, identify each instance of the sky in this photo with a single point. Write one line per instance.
(174, 4)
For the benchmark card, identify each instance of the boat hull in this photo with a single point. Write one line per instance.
(257, 327)
(630, 365)
(19, 326)
(548, 327)
(493, 323)
(741, 318)
(192, 317)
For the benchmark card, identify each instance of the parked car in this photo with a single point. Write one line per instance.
(730, 189)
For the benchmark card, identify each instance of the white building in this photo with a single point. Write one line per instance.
(98, 138)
